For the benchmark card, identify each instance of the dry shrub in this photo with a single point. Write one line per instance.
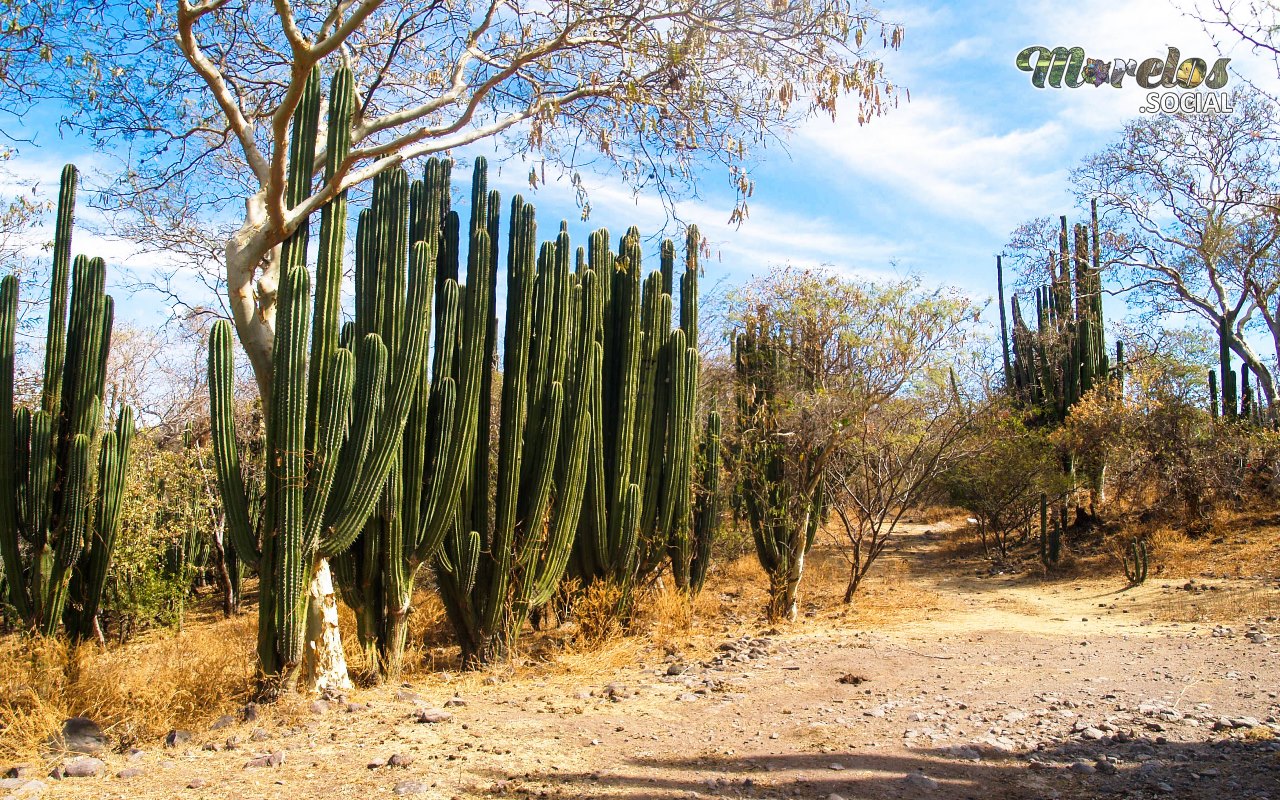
(134, 692)
(666, 613)
(596, 612)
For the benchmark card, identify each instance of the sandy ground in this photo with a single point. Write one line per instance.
(1013, 688)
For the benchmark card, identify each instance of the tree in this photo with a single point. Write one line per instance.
(891, 462)
(206, 90)
(817, 358)
(1191, 226)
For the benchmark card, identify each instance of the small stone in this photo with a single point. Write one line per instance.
(1165, 788)
(232, 743)
(354, 708)
(1105, 767)
(1081, 768)
(259, 735)
(84, 736)
(135, 754)
(677, 669)
(404, 788)
(23, 771)
(176, 737)
(686, 697)
(272, 760)
(837, 767)
(850, 679)
(82, 767)
(21, 787)
(616, 691)
(918, 780)
(433, 715)
(1093, 733)
(197, 783)
(455, 702)
(406, 696)
(1245, 722)
(129, 772)
(224, 721)
(319, 707)
(400, 760)
(211, 747)
(834, 796)
(1258, 637)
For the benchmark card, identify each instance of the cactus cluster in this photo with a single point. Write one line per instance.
(1134, 559)
(1240, 399)
(337, 410)
(638, 509)
(781, 497)
(1052, 367)
(58, 515)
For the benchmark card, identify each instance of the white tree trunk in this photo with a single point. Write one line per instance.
(324, 665)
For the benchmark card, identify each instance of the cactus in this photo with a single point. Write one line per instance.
(58, 517)
(643, 411)
(338, 410)
(420, 500)
(1134, 560)
(784, 509)
(508, 552)
(706, 504)
(1058, 363)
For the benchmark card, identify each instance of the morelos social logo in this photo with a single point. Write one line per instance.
(1069, 67)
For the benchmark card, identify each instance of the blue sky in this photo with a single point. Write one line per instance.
(934, 187)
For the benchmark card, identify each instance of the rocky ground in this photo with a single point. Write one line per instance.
(1019, 689)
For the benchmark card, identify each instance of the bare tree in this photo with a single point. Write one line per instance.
(1188, 202)
(205, 91)
(888, 466)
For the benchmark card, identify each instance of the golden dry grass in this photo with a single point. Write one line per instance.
(142, 690)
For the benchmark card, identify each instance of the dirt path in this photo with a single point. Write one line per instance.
(1020, 689)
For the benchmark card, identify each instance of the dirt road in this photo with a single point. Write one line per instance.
(1017, 688)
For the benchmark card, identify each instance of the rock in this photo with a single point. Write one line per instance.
(834, 796)
(233, 742)
(1165, 788)
(197, 783)
(176, 737)
(82, 767)
(259, 735)
(355, 708)
(1258, 637)
(455, 702)
(23, 771)
(272, 760)
(1081, 768)
(406, 696)
(920, 781)
(400, 760)
(319, 707)
(21, 787)
(404, 788)
(135, 754)
(129, 772)
(677, 669)
(433, 716)
(1105, 767)
(1245, 722)
(687, 697)
(966, 753)
(837, 767)
(224, 721)
(1093, 733)
(211, 747)
(82, 735)
(615, 692)
(850, 679)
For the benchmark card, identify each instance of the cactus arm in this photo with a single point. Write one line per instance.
(226, 450)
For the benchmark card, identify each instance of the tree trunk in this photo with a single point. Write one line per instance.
(324, 664)
(253, 303)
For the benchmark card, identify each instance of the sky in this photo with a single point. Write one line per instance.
(933, 188)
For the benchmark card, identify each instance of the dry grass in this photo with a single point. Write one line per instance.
(1230, 603)
(135, 692)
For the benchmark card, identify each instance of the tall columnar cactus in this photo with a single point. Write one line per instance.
(1065, 356)
(421, 498)
(706, 504)
(644, 415)
(58, 517)
(1134, 560)
(511, 545)
(781, 495)
(338, 409)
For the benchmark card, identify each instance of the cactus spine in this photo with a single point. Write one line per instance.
(329, 451)
(58, 516)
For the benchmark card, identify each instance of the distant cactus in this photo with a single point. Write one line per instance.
(1134, 559)
(58, 519)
